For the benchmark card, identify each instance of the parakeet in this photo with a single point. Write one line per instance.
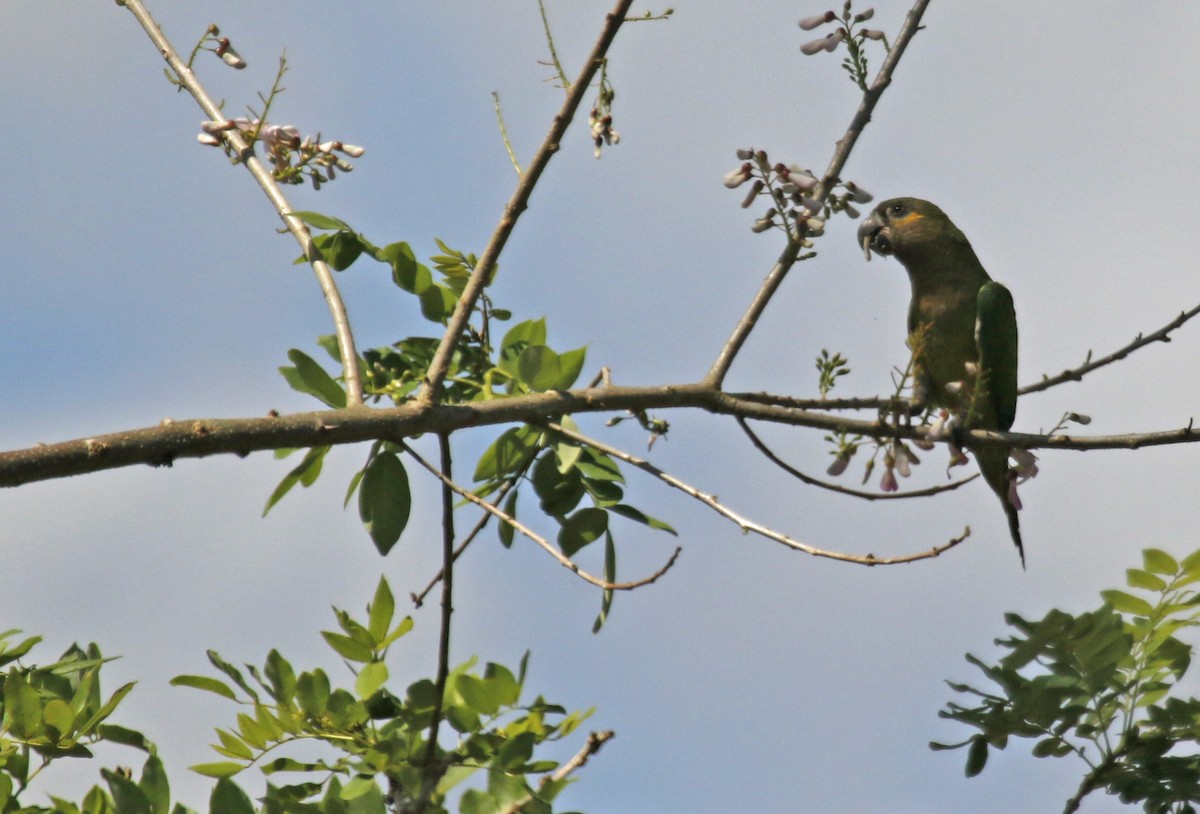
(962, 327)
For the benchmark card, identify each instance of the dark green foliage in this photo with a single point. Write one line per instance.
(378, 736)
(1097, 686)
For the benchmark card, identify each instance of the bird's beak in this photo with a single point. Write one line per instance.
(873, 234)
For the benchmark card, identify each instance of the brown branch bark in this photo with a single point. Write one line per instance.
(172, 440)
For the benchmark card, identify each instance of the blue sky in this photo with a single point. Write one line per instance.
(143, 279)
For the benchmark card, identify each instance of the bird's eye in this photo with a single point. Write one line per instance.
(898, 209)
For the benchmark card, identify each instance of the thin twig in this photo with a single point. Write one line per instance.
(743, 523)
(516, 206)
(512, 156)
(912, 23)
(843, 490)
(558, 68)
(594, 741)
(262, 174)
(564, 561)
(1139, 341)
(432, 776)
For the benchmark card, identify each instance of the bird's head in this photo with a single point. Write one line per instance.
(904, 227)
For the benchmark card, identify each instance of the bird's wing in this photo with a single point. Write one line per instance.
(996, 338)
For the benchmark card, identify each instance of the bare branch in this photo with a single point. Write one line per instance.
(563, 560)
(912, 23)
(162, 445)
(749, 525)
(844, 490)
(446, 473)
(517, 205)
(262, 174)
(1139, 341)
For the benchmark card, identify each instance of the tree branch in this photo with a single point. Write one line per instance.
(563, 560)
(162, 445)
(517, 205)
(1139, 341)
(748, 525)
(912, 23)
(431, 773)
(245, 153)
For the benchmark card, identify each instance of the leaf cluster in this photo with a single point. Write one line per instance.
(1098, 686)
(57, 711)
(379, 735)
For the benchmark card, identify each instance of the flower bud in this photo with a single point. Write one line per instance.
(738, 177)
(755, 188)
(208, 139)
(762, 225)
(745, 155)
(813, 47)
(871, 33)
(863, 16)
(809, 23)
(838, 466)
(857, 193)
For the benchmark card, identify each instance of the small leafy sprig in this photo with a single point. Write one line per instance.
(849, 30)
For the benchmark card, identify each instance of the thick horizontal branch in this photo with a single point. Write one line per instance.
(169, 441)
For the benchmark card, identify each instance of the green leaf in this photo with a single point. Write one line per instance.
(123, 736)
(380, 611)
(233, 746)
(109, 706)
(1137, 578)
(505, 529)
(155, 786)
(221, 769)
(977, 756)
(404, 626)
(570, 365)
(370, 678)
(129, 799)
(508, 454)
(339, 249)
(635, 514)
(281, 677)
(1159, 562)
(1127, 603)
(437, 302)
(205, 683)
(384, 500)
(309, 377)
(58, 719)
(539, 368)
(319, 221)
(581, 528)
(227, 797)
(312, 692)
(610, 575)
(305, 473)
(347, 648)
(234, 674)
(22, 706)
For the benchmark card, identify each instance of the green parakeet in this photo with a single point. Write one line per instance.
(962, 328)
